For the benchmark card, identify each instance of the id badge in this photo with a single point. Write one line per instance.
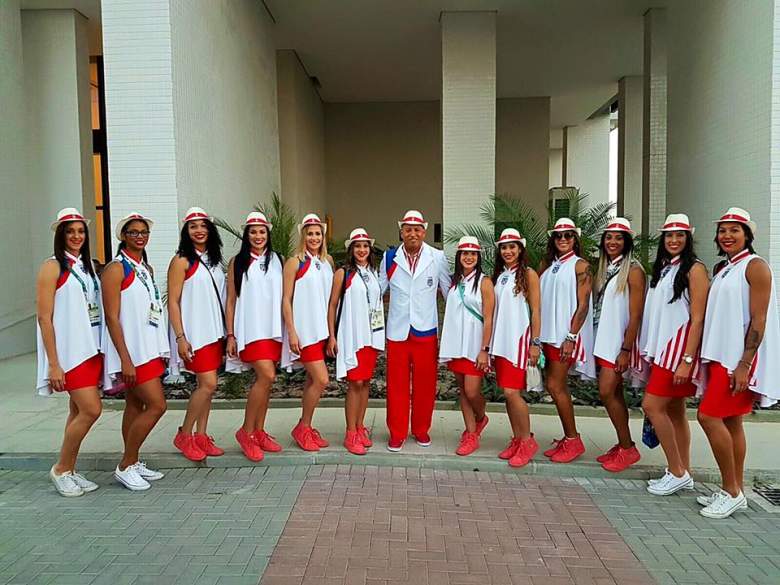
(155, 314)
(377, 320)
(94, 314)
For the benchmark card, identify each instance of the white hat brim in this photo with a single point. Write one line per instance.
(59, 221)
(268, 225)
(576, 230)
(677, 229)
(347, 243)
(324, 227)
(424, 224)
(751, 224)
(515, 240)
(123, 222)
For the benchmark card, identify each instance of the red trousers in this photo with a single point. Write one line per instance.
(415, 358)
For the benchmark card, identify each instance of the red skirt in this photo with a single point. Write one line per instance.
(262, 349)
(553, 354)
(661, 383)
(208, 358)
(366, 357)
(464, 366)
(85, 375)
(602, 363)
(509, 376)
(149, 371)
(314, 352)
(718, 401)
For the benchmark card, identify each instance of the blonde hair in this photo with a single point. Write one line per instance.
(300, 249)
(621, 278)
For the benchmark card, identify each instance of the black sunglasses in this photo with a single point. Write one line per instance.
(563, 235)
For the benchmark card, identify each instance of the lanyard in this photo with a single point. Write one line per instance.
(461, 287)
(365, 275)
(155, 298)
(84, 284)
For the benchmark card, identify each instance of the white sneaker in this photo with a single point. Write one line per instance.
(85, 485)
(671, 484)
(65, 484)
(146, 473)
(723, 505)
(707, 500)
(655, 480)
(131, 479)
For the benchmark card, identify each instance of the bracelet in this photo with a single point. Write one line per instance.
(178, 337)
(229, 335)
(572, 337)
(622, 349)
(748, 364)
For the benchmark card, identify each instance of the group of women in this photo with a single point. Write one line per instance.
(680, 335)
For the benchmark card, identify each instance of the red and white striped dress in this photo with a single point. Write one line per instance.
(665, 325)
(559, 303)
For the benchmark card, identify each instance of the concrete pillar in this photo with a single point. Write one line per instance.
(17, 302)
(774, 153)
(630, 129)
(468, 109)
(654, 120)
(586, 154)
(140, 120)
(56, 72)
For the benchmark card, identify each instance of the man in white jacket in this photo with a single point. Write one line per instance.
(412, 272)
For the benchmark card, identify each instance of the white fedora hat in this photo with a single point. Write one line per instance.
(68, 214)
(677, 222)
(510, 235)
(359, 234)
(619, 224)
(739, 215)
(257, 218)
(196, 213)
(132, 216)
(565, 225)
(469, 244)
(312, 219)
(413, 217)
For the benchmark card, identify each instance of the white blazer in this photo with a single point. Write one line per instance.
(413, 296)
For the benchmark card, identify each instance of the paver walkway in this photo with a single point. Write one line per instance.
(373, 525)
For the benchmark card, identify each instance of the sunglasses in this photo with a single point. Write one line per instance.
(563, 235)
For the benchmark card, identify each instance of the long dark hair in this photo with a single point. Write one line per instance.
(625, 268)
(749, 237)
(351, 264)
(521, 274)
(458, 275)
(213, 244)
(551, 253)
(122, 244)
(687, 259)
(60, 247)
(244, 257)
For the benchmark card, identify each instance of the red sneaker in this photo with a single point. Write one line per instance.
(367, 442)
(185, 442)
(623, 459)
(481, 424)
(267, 442)
(556, 444)
(525, 452)
(252, 450)
(569, 450)
(395, 444)
(207, 445)
(353, 442)
(603, 458)
(304, 437)
(469, 442)
(319, 439)
(510, 449)
(424, 440)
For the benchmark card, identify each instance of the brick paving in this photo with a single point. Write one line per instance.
(368, 525)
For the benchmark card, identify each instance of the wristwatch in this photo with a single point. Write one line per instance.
(572, 337)
(536, 342)
(486, 348)
(687, 358)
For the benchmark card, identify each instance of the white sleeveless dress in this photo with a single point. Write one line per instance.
(461, 333)
(511, 322)
(726, 324)
(76, 338)
(559, 303)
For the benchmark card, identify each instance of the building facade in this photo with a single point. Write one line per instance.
(359, 111)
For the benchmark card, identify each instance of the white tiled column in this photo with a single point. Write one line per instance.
(654, 120)
(587, 158)
(140, 120)
(630, 106)
(774, 154)
(468, 107)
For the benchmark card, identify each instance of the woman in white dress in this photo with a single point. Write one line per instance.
(255, 330)
(619, 295)
(567, 329)
(357, 332)
(68, 332)
(308, 277)
(516, 345)
(740, 350)
(465, 337)
(196, 299)
(135, 344)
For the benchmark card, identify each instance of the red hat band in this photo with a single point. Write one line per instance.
(734, 217)
(468, 247)
(192, 216)
(71, 217)
(564, 226)
(677, 224)
(256, 220)
(410, 219)
(616, 226)
(509, 237)
(360, 236)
